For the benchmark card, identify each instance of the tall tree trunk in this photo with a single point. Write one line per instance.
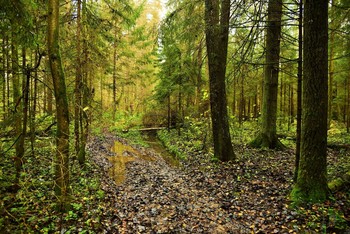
(34, 106)
(267, 136)
(17, 107)
(292, 113)
(312, 181)
(25, 93)
(234, 97)
(78, 83)
(217, 30)
(169, 111)
(8, 71)
(299, 90)
(199, 82)
(86, 95)
(242, 100)
(62, 135)
(281, 101)
(348, 106)
(3, 74)
(331, 77)
(115, 72)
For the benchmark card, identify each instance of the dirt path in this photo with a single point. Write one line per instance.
(248, 196)
(158, 198)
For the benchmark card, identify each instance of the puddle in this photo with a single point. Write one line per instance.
(123, 155)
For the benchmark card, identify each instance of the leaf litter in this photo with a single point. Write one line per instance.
(204, 196)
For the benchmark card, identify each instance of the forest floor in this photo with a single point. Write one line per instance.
(127, 188)
(205, 196)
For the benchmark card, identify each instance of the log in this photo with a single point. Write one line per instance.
(151, 129)
(340, 183)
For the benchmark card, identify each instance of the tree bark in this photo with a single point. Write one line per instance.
(299, 90)
(267, 136)
(331, 78)
(62, 135)
(3, 74)
(312, 182)
(115, 72)
(17, 107)
(217, 29)
(78, 83)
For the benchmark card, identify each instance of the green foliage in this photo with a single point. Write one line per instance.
(167, 138)
(244, 132)
(194, 137)
(32, 208)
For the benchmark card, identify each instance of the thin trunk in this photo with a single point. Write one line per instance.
(242, 101)
(289, 119)
(248, 110)
(199, 77)
(281, 100)
(101, 92)
(255, 114)
(34, 106)
(24, 115)
(234, 97)
(179, 120)
(345, 84)
(285, 109)
(62, 134)
(331, 77)
(3, 74)
(85, 95)
(78, 83)
(348, 107)
(115, 73)
(169, 112)
(25, 111)
(292, 104)
(8, 71)
(17, 108)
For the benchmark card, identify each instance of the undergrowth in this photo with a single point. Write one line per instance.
(32, 209)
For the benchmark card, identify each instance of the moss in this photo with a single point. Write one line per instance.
(262, 141)
(335, 184)
(310, 194)
(339, 183)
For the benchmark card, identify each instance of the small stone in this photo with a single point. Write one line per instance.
(141, 228)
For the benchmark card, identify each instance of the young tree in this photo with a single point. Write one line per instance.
(78, 83)
(267, 136)
(217, 17)
(62, 135)
(312, 182)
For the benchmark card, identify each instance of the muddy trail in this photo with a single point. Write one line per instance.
(147, 194)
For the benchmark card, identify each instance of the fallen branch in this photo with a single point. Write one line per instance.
(340, 183)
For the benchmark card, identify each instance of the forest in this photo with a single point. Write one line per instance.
(174, 116)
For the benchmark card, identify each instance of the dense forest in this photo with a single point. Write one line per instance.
(177, 116)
